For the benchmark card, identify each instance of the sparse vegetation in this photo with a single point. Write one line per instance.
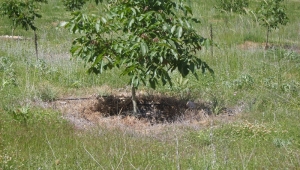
(254, 96)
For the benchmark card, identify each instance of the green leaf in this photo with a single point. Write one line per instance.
(174, 54)
(128, 70)
(173, 29)
(171, 42)
(188, 9)
(130, 23)
(183, 68)
(133, 11)
(192, 67)
(180, 21)
(187, 24)
(161, 59)
(165, 27)
(97, 26)
(103, 20)
(196, 20)
(179, 32)
(63, 24)
(185, 82)
(74, 48)
(98, 59)
(109, 59)
(135, 81)
(119, 50)
(152, 54)
(153, 82)
(163, 80)
(144, 49)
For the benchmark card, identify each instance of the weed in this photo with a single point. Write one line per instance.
(43, 69)
(204, 138)
(47, 92)
(181, 87)
(217, 104)
(8, 73)
(20, 114)
(281, 142)
(250, 130)
(245, 81)
(290, 87)
(76, 84)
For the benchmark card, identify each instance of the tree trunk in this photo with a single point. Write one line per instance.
(212, 41)
(267, 43)
(134, 101)
(36, 47)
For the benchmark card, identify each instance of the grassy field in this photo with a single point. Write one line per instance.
(266, 135)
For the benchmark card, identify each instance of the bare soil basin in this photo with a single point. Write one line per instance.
(157, 113)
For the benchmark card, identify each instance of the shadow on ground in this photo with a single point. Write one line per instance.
(154, 109)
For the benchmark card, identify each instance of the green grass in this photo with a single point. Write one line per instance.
(265, 136)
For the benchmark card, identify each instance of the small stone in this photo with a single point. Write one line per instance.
(57, 162)
(191, 105)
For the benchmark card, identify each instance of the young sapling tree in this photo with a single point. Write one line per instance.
(147, 40)
(270, 14)
(22, 13)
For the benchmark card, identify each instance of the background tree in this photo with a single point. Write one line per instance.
(270, 14)
(238, 6)
(147, 40)
(22, 13)
(73, 5)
